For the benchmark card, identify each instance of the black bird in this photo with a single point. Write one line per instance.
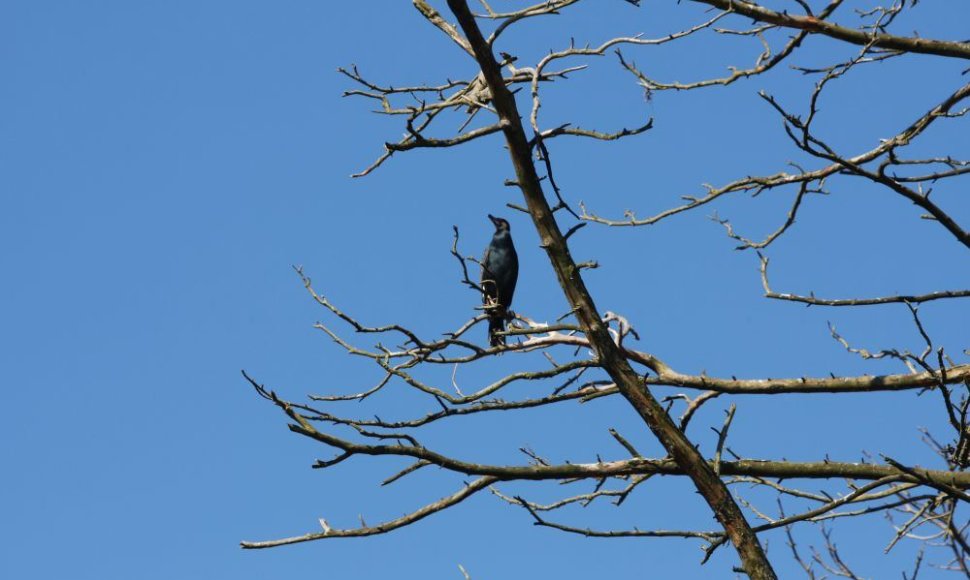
(500, 271)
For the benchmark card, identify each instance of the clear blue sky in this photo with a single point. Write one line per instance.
(162, 165)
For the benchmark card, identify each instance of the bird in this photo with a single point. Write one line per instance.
(500, 272)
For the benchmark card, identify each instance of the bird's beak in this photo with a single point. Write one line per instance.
(494, 219)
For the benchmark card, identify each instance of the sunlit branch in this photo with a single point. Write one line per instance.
(814, 301)
(765, 61)
(814, 25)
(385, 527)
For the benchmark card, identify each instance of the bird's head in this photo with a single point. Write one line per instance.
(501, 225)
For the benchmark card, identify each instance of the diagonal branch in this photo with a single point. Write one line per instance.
(816, 25)
(614, 362)
(757, 184)
(435, 18)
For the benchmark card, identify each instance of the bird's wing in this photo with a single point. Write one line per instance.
(486, 275)
(489, 290)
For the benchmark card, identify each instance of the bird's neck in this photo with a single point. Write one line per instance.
(502, 239)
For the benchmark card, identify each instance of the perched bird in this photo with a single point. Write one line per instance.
(500, 271)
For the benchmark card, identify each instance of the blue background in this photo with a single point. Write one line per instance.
(162, 166)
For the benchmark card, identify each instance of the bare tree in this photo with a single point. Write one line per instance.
(590, 352)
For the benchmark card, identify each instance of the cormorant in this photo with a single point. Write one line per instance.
(500, 271)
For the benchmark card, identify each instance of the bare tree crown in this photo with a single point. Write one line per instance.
(587, 353)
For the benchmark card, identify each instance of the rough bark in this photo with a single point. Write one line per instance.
(815, 25)
(727, 512)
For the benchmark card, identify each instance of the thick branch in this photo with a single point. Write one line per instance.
(639, 466)
(858, 384)
(614, 362)
(815, 25)
(448, 28)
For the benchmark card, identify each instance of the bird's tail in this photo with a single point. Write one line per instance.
(496, 324)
